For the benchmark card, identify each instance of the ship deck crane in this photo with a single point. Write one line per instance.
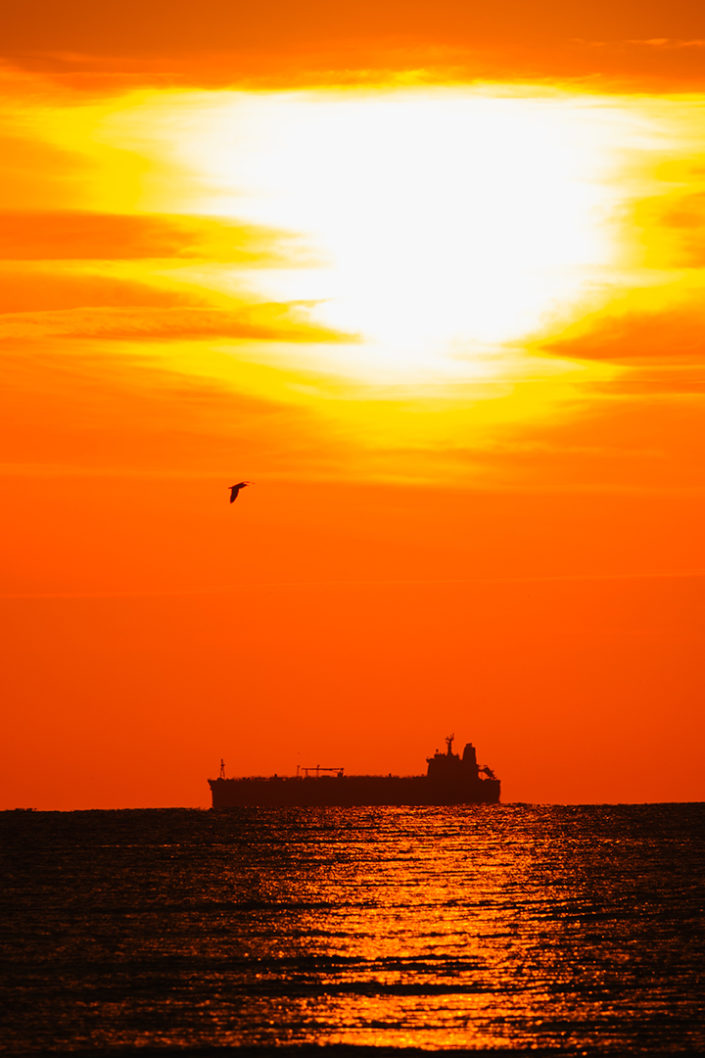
(317, 770)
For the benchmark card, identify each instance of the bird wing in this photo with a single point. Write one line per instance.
(234, 489)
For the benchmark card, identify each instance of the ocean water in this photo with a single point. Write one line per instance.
(502, 929)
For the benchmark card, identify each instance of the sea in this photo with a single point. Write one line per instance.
(498, 929)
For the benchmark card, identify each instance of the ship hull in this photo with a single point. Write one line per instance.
(350, 791)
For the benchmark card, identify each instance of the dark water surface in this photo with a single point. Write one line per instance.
(500, 928)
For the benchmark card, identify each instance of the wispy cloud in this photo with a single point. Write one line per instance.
(95, 408)
(665, 336)
(32, 235)
(217, 43)
(260, 322)
(667, 43)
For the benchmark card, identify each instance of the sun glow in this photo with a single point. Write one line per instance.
(435, 220)
(431, 226)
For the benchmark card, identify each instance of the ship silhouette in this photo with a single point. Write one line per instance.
(449, 780)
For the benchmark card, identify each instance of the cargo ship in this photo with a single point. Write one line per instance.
(449, 780)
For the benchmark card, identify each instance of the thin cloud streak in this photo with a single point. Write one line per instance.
(70, 235)
(252, 586)
(263, 322)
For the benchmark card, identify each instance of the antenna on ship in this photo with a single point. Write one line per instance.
(449, 744)
(222, 769)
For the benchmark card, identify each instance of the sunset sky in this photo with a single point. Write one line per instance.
(430, 276)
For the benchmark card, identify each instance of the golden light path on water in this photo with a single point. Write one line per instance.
(438, 227)
(535, 929)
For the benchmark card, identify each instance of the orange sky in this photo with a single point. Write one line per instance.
(432, 278)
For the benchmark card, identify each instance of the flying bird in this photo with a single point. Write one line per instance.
(234, 489)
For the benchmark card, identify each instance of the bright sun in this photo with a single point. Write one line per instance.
(435, 220)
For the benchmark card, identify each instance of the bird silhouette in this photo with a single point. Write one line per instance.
(234, 489)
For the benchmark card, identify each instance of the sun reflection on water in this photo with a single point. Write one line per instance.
(489, 927)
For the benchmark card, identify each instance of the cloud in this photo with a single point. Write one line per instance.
(95, 47)
(261, 322)
(668, 230)
(43, 290)
(32, 235)
(667, 336)
(68, 409)
(666, 42)
(36, 174)
(38, 302)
